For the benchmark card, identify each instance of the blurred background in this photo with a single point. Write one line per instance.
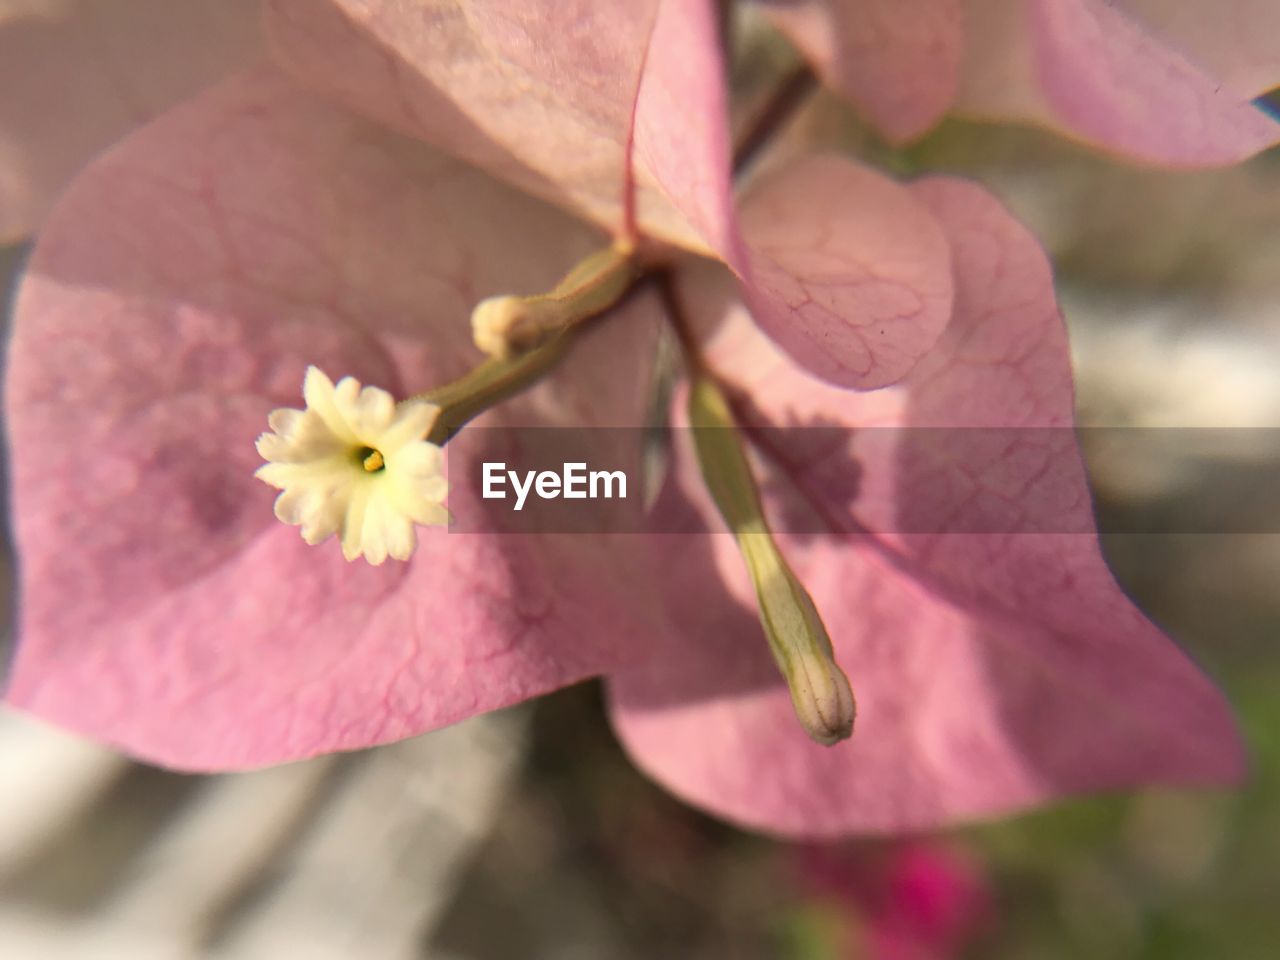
(528, 833)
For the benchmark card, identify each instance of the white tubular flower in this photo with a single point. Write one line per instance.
(355, 464)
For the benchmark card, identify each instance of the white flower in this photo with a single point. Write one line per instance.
(355, 464)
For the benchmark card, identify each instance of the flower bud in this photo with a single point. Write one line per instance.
(798, 640)
(820, 691)
(506, 325)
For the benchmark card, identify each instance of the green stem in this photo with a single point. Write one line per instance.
(488, 384)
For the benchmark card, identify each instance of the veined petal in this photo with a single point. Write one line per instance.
(680, 136)
(1085, 68)
(1235, 41)
(995, 661)
(175, 299)
(619, 111)
(845, 270)
(78, 74)
(898, 62)
(542, 95)
(842, 267)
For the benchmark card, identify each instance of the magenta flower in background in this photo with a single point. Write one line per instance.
(280, 219)
(914, 900)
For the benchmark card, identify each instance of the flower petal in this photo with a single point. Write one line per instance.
(631, 97)
(177, 297)
(842, 267)
(804, 232)
(321, 397)
(992, 670)
(845, 270)
(546, 96)
(77, 75)
(412, 422)
(357, 541)
(681, 143)
(1085, 68)
(1235, 41)
(898, 62)
(371, 413)
(286, 420)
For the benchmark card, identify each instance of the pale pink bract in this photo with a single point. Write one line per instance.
(1165, 82)
(191, 273)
